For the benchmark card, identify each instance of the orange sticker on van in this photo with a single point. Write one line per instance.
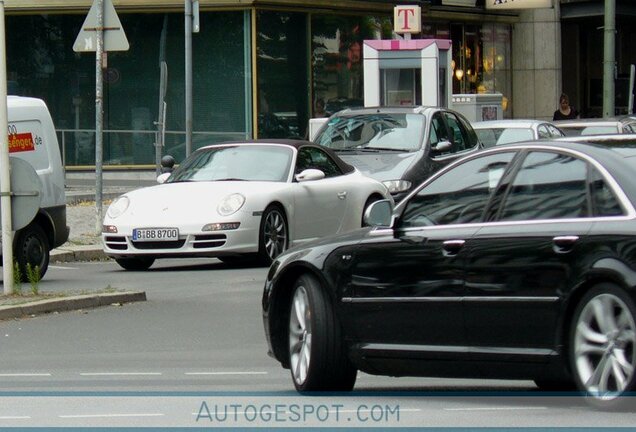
(21, 142)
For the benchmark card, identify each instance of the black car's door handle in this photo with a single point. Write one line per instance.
(564, 244)
(452, 247)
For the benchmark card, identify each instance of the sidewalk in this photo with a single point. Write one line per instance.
(80, 218)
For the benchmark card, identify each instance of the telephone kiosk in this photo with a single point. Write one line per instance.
(407, 72)
(418, 72)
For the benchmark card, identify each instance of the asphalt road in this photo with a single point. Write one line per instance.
(195, 349)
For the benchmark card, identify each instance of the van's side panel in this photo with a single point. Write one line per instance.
(32, 138)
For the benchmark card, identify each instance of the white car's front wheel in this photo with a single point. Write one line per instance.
(273, 235)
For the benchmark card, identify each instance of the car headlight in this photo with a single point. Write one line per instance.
(397, 186)
(118, 207)
(230, 204)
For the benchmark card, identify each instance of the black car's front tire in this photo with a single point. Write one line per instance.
(135, 264)
(317, 356)
(602, 343)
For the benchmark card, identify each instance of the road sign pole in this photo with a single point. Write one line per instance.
(5, 176)
(101, 32)
(99, 114)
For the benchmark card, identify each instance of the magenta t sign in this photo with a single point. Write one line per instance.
(407, 19)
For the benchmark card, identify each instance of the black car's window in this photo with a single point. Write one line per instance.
(458, 196)
(312, 157)
(470, 137)
(548, 186)
(604, 201)
(438, 131)
(458, 132)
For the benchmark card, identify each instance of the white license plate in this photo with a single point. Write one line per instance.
(155, 234)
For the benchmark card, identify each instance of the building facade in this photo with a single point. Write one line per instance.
(261, 69)
(582, 33)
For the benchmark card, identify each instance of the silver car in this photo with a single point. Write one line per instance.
(598, 126)
(497, 132)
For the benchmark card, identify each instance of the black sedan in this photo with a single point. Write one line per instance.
(518, 262)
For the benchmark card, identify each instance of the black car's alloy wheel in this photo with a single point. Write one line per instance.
(32, 247)
(273, 236)
(602, 345)
(316, 350)
(135, 263)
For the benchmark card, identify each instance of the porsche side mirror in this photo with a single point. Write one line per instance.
(310, 174)
(163, 177)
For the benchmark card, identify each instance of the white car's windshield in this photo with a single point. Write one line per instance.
(236, 163)
(384, 131)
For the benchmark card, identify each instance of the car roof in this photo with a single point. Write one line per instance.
(294, 143)
(601, 139)
(419, 109)
(588, 122)
(621, 148)
(516, 123)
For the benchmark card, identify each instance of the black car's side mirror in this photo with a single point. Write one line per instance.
(379, 214)
(442, 147)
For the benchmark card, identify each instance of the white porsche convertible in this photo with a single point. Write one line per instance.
(238, 200)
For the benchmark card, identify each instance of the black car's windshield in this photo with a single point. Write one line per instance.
(236, 162)
(382, 131)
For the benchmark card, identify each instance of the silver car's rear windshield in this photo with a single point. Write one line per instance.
(382, 131)
(589, 130)
(498, 136)
(235, 163)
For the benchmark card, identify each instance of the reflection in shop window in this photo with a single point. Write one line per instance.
(336, 61)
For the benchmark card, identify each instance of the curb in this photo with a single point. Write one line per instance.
(69, 303)
(77, 253)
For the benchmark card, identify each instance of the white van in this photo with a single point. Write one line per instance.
(32, 138)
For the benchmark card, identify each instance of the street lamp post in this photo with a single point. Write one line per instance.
(609, 63)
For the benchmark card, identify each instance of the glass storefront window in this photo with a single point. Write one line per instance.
(41, 63)
(481, 61)
(283, 88)
(336, 63)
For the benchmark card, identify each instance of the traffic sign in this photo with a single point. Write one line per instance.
(114, 36)
(25, 193)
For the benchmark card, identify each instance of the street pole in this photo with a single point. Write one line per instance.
(5, 175)
(99, 114)
(609, 64)
(188, 76)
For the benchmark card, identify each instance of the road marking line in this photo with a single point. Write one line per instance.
(63, 267)
(14, 417)
(70, 416)
(495, 409)
(226, 373)
(24, 374)
(119, 373)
